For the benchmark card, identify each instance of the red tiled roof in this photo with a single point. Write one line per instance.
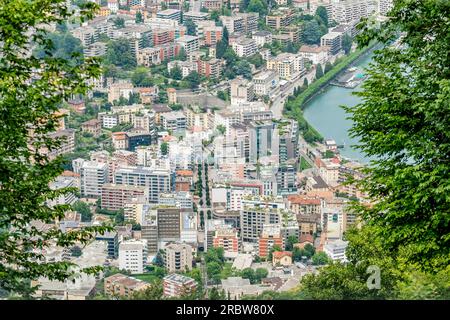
(281, 254)
(298, 199)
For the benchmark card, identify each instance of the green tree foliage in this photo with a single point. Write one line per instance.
(259, 6)
(221, 129)
(311, 33)
(164, 148)
(119, 23)
(139, 18)
(403, 122)
(141, 77)
(119, 54)
(83, 209)
(193, 79)
(215, 294)
(159, 260)
(261, 273)
(176, 73)
(347, 43)
(75, 251)
(222, 45)
(224, 95)
(319, 71)
(64, 46)
(182, 56)
(321, 12)
(309, 250)
(119, 217)
(26, 171)
(243, 5)
(256, 60)
(320, 258)
(242, 68)
(290, 243)
(328, 67)
(191, 28)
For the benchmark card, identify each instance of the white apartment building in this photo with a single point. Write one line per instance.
(244, 47)
(265, 82)
(233, 23)
(333, 40)
(108, 120)
(92, 177)
(253, 219)
(189, 43)
(384, 6)
(315, 54)
(283, 64)
(329, 171)
(186, 67)
(180, 199)
(262, 37)
(133, 255)
(336, 250)
(156, 180)
(348, 10)
(113, 5)
(174, 121)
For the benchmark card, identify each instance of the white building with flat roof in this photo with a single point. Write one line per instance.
(188, 43)
(133, 255)
(336, 250)
(93, 175)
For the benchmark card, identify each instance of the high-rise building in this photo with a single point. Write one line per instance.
(178, 257)
(168, 221)
(226, 238)
(114, 196)
(270, 237)
(133, 255)
(112, 241)
(253, 220)
(263, 140)
(92, 176)
(156, 180)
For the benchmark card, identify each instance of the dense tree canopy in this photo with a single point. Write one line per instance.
(119, 54)
(403, 121)
(311, 32)
(32, 88)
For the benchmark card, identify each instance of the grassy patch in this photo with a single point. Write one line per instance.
(304, 164)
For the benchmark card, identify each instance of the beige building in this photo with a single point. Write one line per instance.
(92, 126)
(282, 258)
(122, 285)
(172, 95)
(283, 64)
(178, 257)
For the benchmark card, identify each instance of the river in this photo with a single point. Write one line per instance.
(324, 113)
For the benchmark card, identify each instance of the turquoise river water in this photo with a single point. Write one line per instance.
(324, 113)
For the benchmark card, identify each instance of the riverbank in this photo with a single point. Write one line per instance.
(303, 98)
(295, 104)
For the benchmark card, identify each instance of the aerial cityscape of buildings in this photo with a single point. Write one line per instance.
(184, 145)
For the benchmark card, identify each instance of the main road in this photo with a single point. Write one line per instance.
(282, 95)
